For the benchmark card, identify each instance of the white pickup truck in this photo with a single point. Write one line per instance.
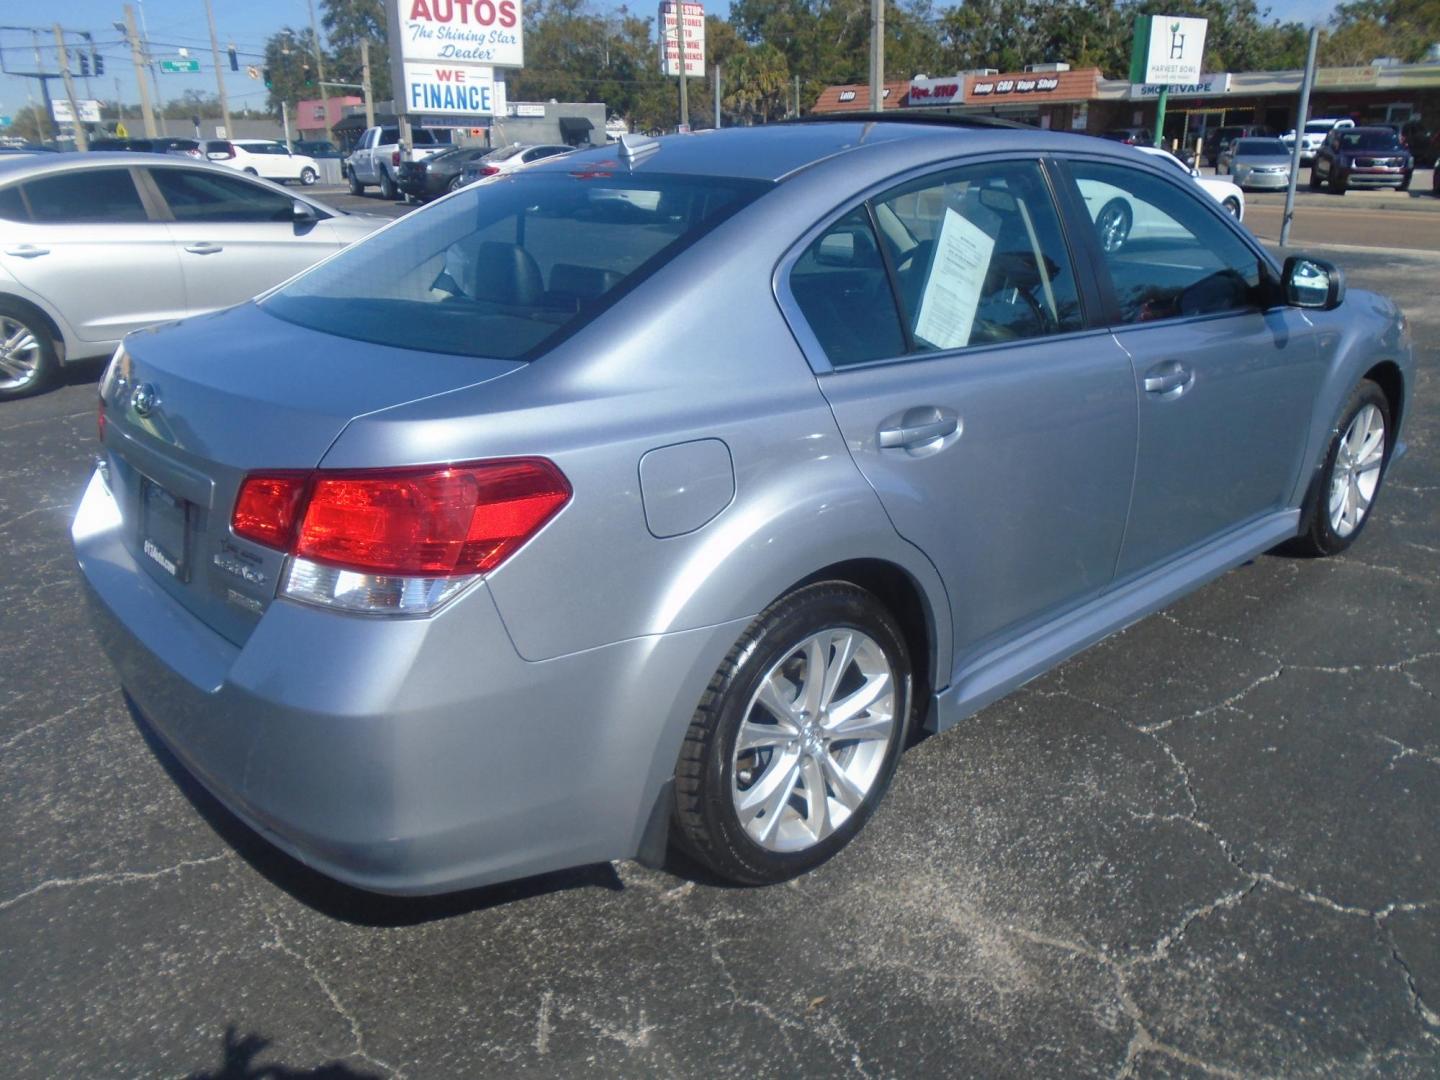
(1314, 136)
(376, 158)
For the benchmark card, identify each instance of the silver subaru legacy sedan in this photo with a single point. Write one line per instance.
(93, 246)
(659, 494)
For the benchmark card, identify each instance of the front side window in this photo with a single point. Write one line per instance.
(196, 195)
(513, 264)
(1169, 256)
(85, 195)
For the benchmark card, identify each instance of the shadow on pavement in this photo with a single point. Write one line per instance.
(345, 902)
(238, 1063)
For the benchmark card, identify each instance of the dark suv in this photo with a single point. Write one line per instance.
(1362, 157)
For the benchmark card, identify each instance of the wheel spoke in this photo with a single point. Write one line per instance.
(844, 645)
(816, 797)
(863, 727)
(771, 795)
(776, 695)
(755, 736)
(16, 369)
(845, 710)
(849, 795)
(817, 653)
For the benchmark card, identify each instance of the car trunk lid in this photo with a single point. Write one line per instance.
(193, 409)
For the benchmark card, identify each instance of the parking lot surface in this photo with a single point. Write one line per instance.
(1207, 847)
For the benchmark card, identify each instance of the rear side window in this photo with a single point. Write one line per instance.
(12, 206)
(196, 195)
(84, 195)
(841, 286)
(511, 266)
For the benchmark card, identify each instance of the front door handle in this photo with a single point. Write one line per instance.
(205, 247)
(910, 436)
(1168, 380)
(26, 251)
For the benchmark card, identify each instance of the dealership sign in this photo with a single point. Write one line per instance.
(451, 90)
(694, 15)
(1168, 49)
(485, 32)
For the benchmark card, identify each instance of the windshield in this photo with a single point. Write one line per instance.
(513, 264)
(1360, 139)
(1261, 148)
(504, 152)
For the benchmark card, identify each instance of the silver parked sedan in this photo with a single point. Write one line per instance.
(661, 493)
(1257, 163)
(93, 246)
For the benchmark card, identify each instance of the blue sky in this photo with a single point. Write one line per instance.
(175, 24)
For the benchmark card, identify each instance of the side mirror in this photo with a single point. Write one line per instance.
(1312, 283)
(302, 213)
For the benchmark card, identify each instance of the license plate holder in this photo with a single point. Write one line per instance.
(165, 529)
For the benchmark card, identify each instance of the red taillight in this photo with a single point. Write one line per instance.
(395, 158)
(268, 507)
(489, 170)
(433, 522)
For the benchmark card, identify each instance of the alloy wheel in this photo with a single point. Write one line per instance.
(813, 740)
(20, 354)
(1356, 473)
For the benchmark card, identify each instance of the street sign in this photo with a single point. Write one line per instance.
(6, 121)
(186, 65)
(1168, 49)
(89, 111)
(670, 39)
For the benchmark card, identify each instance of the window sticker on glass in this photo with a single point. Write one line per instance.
(952, 293)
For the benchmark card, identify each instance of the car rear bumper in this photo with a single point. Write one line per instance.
(403, 756)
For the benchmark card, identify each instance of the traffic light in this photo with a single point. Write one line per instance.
(265, 74)
(309, 79)
(234, 60)
(97, 63)
(84, 65)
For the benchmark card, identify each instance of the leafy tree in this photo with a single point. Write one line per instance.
(347, 23)
(1363, 30)
(32, 124)
(290, 59)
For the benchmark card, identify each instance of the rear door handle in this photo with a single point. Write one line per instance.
(203, 248)
(1168, 380)
(26, 251)
(911, 436)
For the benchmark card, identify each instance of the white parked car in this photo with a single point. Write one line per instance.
(1225, 192)
(509, 158)
(93, 246)
(264, 158)
(1314, 136)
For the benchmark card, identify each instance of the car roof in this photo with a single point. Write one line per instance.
(775, 151)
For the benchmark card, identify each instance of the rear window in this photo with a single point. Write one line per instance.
(513, 265)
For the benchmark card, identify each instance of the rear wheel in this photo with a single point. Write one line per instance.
(1342, 494)
(387, 186)
(1113, 223)
(307, 176)
(796, 737)
(28, 361)
(456, 183)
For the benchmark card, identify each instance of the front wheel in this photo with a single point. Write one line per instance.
(796, 737)
(1338, 183)
(308, 176)
(1232, 207)
(1405, 183)
(1342, 495)
(1113, 223)
(356, 187)
(1314, 179)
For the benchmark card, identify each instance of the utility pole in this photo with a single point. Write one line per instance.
(1300, 118)
(365, 82)
(684, 91)
(220, 74)
(137, 57)
(284, 120)
(717, 95)
(81, 142)
(44, 78)
(315, 38)
(877, 55)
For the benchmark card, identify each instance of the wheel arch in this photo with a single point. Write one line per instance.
(57, 336)
(1391, 380)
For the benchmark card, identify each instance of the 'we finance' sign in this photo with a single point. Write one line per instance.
(441, 89)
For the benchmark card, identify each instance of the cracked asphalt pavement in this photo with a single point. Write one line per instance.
(1206, 847)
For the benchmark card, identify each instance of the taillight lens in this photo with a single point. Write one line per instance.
(400, 540)
(489, 170)
(268, 507)
(395, 158)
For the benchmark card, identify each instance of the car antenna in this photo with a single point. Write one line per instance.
(633, 147)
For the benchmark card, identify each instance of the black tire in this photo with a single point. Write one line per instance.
(38, 362)
(1232, 207)
(1113, 224)
(1405, 184)
(706, 824)
(388, 191)
(1317, 537)
(456, 183)
(356, 187)
(1315, 180)
(308, 176)
(1338, 182)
